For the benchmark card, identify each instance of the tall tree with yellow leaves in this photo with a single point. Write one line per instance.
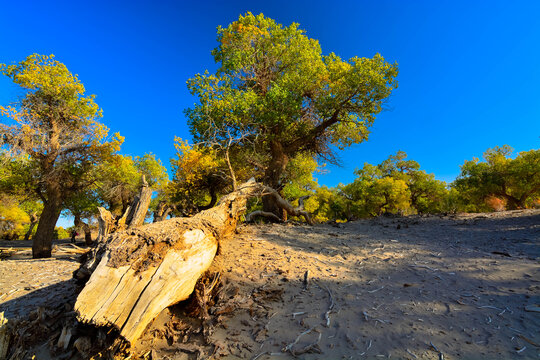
(56, 126)
(274, 82)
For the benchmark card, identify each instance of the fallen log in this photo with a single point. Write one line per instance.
(136, 273)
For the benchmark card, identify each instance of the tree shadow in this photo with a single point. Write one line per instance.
(60, 295)
(420, 286)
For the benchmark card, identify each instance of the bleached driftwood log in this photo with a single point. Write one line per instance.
(136, 273)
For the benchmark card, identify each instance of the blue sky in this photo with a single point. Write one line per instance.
(469, 70)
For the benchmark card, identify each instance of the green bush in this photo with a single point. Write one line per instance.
(60, 233)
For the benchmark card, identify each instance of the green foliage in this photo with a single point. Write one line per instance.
(517, 181)
(373, 194)
(327, 204)
(427, 194)
(83, 204)
(298, 176)
(60, 233)
(199, 175)
(12, 218)
(55, 126)
(397, 185)
(119, 179)
(16, 176)
(153, 170)
(18, 201)
(274, 84)
(54, 118)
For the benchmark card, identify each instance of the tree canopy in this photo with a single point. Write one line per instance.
(56, 125)
(275, 85)
(516, 181)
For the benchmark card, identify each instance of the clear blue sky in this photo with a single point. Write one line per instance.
(469, 70)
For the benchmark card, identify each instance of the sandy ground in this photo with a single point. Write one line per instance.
(26, 284)
(454, 287)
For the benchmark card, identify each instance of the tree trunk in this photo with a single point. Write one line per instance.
(105, 224)
(231, 170)
(137, 273)
(133, 215)
(162, 211)
(33, 222)
(272, 178)
(139, 206)
(87, 234)
(85, 228)
(511, 202)
(276, 168)
(42, 240)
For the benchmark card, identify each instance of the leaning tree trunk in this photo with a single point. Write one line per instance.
(162, 211)
(42, 240)
(85, 228)
(33, 222)
(139, 272)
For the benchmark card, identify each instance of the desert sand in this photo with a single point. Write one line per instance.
(463, 286)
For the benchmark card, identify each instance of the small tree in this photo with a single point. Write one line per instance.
(83, 206)
(198, 173)
(56, 126)
(274, 83)
(15, 176)
(119, 179)
(426, 193)
(517, 181)
(373, 193)
(12, 218)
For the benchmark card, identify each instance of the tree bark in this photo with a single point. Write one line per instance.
(85, 228)
(139, 206)
(87, 234)
(276, 168)
(105, 223)
(231, 170)
(162, 211)
(137, 273)
(42, 241)
(257, 213)
(133, 215)
(33, 222)
(285, 207)
(272, 178)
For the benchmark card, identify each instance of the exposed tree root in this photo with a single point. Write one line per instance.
(281, 203)
(259, 213)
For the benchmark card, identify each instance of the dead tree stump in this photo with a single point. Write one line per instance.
(136, 273)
